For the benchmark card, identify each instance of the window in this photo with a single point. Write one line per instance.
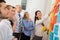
(23, 3)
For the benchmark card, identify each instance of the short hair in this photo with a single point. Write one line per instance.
(0, 4)
(8, 7)
(18, 5)
(0, 9)
(2, 1)
(13, 7)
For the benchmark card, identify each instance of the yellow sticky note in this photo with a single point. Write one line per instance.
(44, 28)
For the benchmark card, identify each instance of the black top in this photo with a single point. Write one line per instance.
(11, 22)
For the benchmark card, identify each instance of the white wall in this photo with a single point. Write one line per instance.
(33, 5)
(13, 2)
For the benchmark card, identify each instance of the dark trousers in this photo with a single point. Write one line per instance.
(24, 37)
(17, 35)
(37, 38)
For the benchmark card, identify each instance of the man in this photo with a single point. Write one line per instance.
(19, 22)
(5, 27)
(3, 9)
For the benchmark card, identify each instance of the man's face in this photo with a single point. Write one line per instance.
(4, 10)
(18, 8)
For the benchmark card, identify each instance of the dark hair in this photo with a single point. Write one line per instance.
(24, 17)
(36, 18)
(2, 1)
(8, 7)
(13, 7)
(42, 24)
(0, 5)
(0, 9)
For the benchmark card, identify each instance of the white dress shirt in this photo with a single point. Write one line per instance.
(38, 26)
(18, 25)
(5, 30)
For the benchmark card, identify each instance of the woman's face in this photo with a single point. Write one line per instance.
(27, 15)
(11, 12)
(39, 15)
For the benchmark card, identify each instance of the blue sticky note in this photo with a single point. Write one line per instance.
(56, 27)
(51, 35)
(56, 38)
(58, 17)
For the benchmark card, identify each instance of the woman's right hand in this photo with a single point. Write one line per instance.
(14, 18)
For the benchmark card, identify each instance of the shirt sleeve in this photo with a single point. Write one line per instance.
(32, 27)
(29, 26)
(1, 35)
(40, 21)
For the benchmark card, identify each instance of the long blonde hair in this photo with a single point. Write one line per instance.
(24, 17)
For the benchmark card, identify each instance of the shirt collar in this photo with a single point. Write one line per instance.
(27, 20)
(5, 20)
(18, 13)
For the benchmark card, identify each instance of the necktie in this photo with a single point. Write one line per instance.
(20, 22)
(19, 15)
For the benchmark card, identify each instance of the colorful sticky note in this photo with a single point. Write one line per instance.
(56, 27)
(56, 38)
(58, 17)
(51, 35)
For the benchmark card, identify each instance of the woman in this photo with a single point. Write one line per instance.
(28, 26)
(39, 25)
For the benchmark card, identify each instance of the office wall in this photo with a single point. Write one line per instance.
(33, 5)
(13, 2)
